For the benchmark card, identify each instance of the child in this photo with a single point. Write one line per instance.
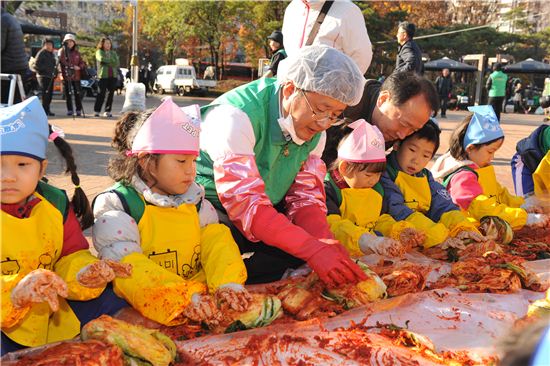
(156, 218)
(470, 178)
(411, 194)
(531, 168)
(44, 253)
(354, 197)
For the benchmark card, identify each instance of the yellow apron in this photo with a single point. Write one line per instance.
(418, 197)
(28, 244)
(488, 180)
(171, 239)
(541, 176)
(361, 206)
(416, 191)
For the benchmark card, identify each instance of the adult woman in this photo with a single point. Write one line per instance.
(71, 65)
(107, 68)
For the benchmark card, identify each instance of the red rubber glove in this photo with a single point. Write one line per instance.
(333, 265)
(313, 220)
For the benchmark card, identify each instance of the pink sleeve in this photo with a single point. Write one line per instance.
(306, 199)
(464, 188)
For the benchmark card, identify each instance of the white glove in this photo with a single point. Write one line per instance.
(369, 244)
(202, 308)
(532, 205)
(471, 235)
(452, 243)
(236, 296)
(537, 220)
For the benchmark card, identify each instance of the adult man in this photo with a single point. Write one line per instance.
(45, 68)
(342, 28)
(278, 49)
(260, 165)
(409, 54)
(496, 85)
(14, 58)
(444, 86)
(398, 107)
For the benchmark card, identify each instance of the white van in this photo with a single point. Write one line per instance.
(180, 79)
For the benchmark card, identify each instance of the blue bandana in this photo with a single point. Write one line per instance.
(24, 129)
(483, 127)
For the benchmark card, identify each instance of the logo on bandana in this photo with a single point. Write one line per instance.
(190, 129)
(443, 193)
(12, 127)
(377, 143)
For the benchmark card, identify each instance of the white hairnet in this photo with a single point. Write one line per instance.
(324, 70)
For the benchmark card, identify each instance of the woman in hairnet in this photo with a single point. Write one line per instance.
(260, 163)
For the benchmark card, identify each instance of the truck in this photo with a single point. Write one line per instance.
(181, 79)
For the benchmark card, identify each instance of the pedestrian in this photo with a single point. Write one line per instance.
(409, 54)
(71, 64)
(519, 105)
(278, 50)
(143, 77)
(107, 66)
(468, 173)
(45, 67)
(341, 25)
(14, 59)
(260, 164)
(496, 87)
(156, 218)
(55, 261)
(444, 86)
(398, 107)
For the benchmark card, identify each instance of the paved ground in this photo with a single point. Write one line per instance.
(90, 139)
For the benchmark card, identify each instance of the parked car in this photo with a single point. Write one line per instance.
(181, 79)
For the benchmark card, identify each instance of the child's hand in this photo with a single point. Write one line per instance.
(121, 270)
(381, 245)
(533, 205)
(471, 235)
(202, 308)
(236, 296)
(537, 220)
(38, 286)
(452, 243)
(412, 238)
(97, 274)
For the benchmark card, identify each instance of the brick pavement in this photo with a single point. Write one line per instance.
(90, 139)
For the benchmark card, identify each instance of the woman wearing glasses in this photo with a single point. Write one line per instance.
(260, 165)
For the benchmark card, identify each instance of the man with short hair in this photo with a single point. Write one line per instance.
(398, 107)
(444, 86)
(409, 54)
(45, 68)
(496, 85)
(260, 165)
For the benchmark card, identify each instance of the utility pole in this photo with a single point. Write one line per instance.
(134, 62)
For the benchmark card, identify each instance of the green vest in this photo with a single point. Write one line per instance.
(277, 159)
(498, 84)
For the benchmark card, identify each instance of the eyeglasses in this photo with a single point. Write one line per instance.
(324, 118)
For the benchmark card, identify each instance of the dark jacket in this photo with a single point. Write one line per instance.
(14, 58)
(444, 85)
(45, 63)
(279, 55)
(409, 58)
(533, 148)
(363, 110)
(68, 63)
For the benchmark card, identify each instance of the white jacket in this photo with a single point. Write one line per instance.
(343, 28)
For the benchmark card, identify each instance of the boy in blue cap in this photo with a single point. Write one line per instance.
(45, 257)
